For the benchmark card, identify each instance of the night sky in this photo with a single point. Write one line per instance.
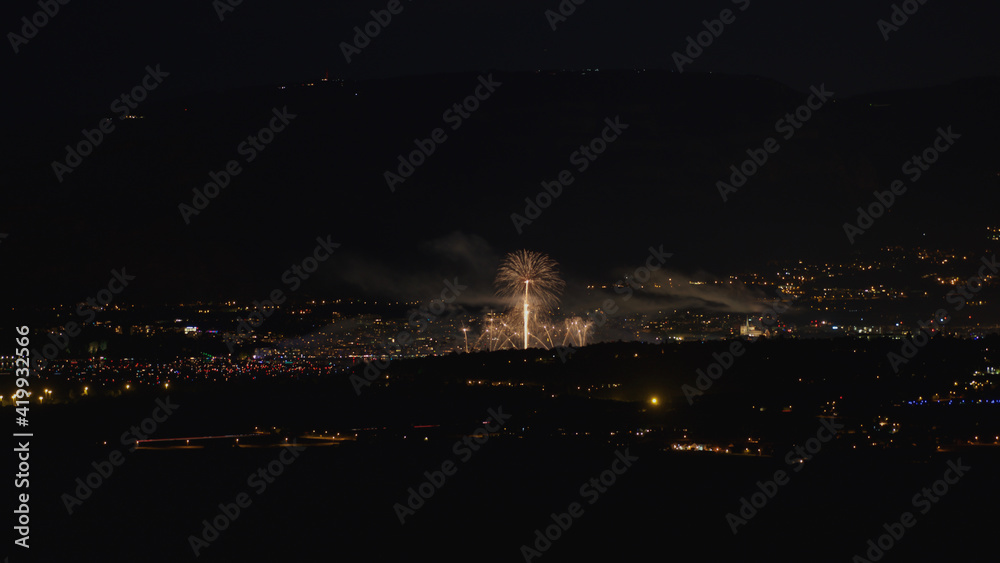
(812, 110)
(87, 51)
(324, 176)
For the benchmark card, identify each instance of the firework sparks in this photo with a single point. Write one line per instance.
(532, 280)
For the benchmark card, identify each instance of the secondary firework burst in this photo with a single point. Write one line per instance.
(531, 280)
(577, 332)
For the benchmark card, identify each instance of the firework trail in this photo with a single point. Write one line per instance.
(531, 280)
